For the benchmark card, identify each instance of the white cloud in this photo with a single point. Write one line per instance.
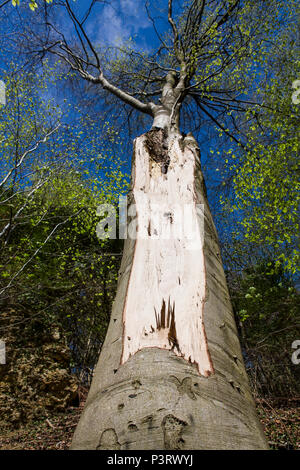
(119, 21)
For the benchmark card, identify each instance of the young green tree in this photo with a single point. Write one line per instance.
(171, 373)
(265, 302)
(265, 184)
(54, 174)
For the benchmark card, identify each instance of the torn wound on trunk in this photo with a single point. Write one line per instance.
(160, 311)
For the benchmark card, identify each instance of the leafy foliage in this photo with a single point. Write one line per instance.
(264, 174)
(266, 306)
(54, 270)
(33, 5)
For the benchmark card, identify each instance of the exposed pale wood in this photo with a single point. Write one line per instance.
(166, 292)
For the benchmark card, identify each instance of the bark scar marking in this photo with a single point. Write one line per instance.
(173, 428)
(186, 386)
(109, 440)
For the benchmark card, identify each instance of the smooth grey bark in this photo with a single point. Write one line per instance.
(157, 399)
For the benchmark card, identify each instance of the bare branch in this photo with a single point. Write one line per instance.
(29, 151)
(4, 3)
(37, 251)
(178, 50)
(217, 122)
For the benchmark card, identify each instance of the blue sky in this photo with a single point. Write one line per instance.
(117, 22)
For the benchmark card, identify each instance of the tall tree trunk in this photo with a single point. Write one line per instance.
(171, 373)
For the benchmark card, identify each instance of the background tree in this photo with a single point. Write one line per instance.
(50, 257)
(265, 188)
(266, 306)
(259, 220)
